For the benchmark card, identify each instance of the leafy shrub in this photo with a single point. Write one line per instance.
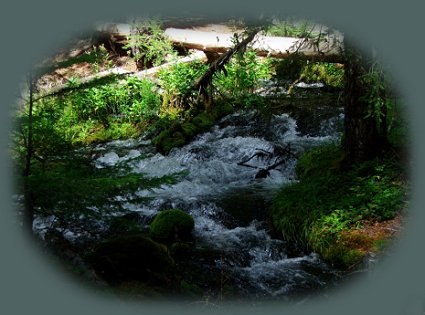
(327, 73)
(148, 44)
(177, 80)
(172, 225)
(297, 68)
(242, 75)
(287, 28)
(146, 101)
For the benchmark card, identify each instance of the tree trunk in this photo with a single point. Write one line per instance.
(28, 200)
(362, 138)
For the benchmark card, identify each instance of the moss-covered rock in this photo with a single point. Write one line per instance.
(203, 121)
(172, 226)
(167, 140)
(221, 109)
(189, 130)
(133, 258)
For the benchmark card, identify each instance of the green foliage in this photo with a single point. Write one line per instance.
(398, 127)
(177, 81)
(375, 96)
(172, 225)
(146, 100)
(148, 43)
(327, 73)
(61, 187)
(242, 75)
(48, 139)
(115, 110)
(329, 200)
(134, 99)
(296, 68)
(287, 28)
(320, 161)
(383, 106)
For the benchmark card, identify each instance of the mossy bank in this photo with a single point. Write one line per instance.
(331, 209)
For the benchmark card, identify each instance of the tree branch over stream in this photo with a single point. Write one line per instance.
(282, 155)
(203, 83)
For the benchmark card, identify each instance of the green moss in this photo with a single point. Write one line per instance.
(167, 140)
(221, 109)
(189, 130)
(134, 257)
(203, 121)
(342, 256)
(176, 133)
(172, 226)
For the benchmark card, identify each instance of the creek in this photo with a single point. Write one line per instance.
(232, 241)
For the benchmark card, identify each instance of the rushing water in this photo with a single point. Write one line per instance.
(228, 204)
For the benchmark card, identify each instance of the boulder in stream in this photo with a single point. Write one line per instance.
(172, 226)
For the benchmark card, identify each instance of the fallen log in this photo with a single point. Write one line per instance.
(327, 49)
(271, 46)
(118, 72)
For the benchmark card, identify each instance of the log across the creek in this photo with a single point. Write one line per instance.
(329, 49)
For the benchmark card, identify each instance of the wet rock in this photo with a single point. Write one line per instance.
(262, 174)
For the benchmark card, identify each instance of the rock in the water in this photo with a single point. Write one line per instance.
(262, 173)
(172, 226)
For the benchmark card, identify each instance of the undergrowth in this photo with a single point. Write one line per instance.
(328, 201)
